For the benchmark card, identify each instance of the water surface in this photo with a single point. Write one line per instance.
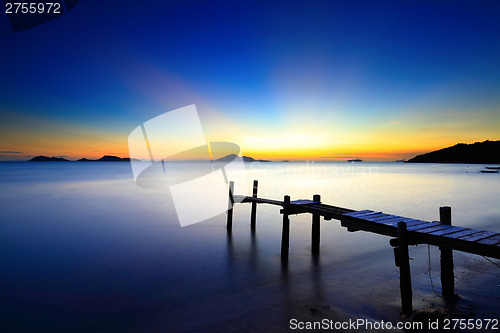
(84, 249)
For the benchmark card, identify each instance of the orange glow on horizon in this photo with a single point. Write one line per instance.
(294, 140)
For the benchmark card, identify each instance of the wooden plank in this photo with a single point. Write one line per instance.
(338, 210)
(375, 216)
(493, 240)
(264, 201)
(436, 228)
(447, 231)
(359, 212)
(409, 222)
(331, 209)
(317, 209)
(372, 213)
(457, 244)
(388, 217)
(239, 198)
(462, 233)
(391, 220)
(423, 226)
(303, 202)
(478, 236)
(377, 228)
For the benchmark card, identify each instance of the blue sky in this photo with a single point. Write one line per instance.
(364, 78)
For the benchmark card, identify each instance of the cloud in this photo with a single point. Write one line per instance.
(10, 152)
(395, 122)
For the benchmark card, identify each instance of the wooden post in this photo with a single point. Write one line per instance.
(285, 234)
(229, 225)
(315, 232)
(404, 270)
(447, 275)
(253, 215)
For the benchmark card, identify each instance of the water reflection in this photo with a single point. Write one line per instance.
(254, 253)
(230, 253)
(317, 279)
(298, 288)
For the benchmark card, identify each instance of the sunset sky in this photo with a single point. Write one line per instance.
(296, 80)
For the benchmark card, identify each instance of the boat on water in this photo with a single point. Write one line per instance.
(493, 168)
(355, 160)
(490, 170)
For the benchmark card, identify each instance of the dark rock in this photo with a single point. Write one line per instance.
(479, 152)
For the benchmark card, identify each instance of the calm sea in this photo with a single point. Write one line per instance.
(83, 249)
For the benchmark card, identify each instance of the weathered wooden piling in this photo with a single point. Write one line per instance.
(285, 234)
(315, 230)
(404, 269)
(447, 274)
(253, 215)
(229, 225)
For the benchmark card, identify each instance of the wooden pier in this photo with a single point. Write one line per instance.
(406, 232)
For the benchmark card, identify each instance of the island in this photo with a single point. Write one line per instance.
(486, 152)
(105, 158)
(111, 158)
(42, 158)
(231, 157)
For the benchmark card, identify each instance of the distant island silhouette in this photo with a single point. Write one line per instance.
(105, 158)
(485, 152)
(110, 158)
(48, 159)
(231, 157)
(250, 159)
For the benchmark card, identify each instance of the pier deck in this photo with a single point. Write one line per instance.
(406, 231)
(485, 243)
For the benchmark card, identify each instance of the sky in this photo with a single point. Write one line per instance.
(295, 80)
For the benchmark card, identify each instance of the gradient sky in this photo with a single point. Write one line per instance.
(309, 80)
